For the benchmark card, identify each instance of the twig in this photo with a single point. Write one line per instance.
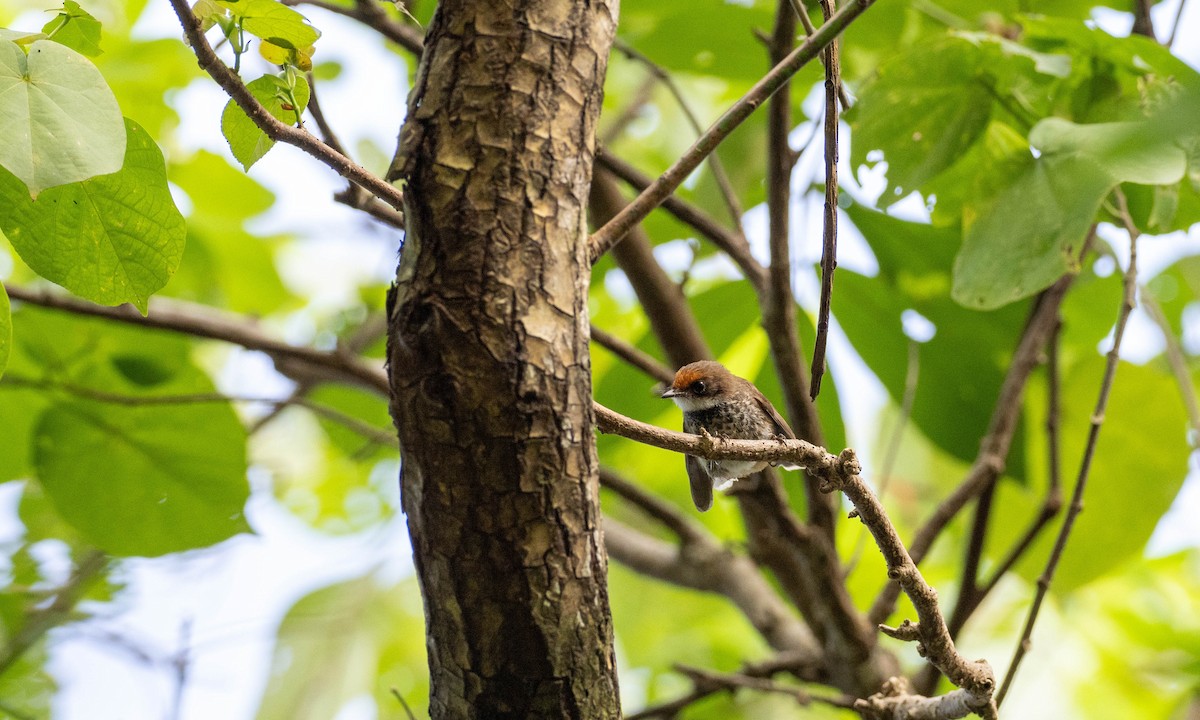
(274, 128)
(368, 431)
(833, 83)
(703, 564)
(912, 374)
(809, 29)
(180, 663)
(634, 356)
(404, 704)
(370, 14)
(39, 622)
(1175, 24)
(1128, 301)
(728, 194)
(733, 244)
(671, 709)
(686, 529)
(1178, 363)
(200, 321)
(1143, 24)
(735, 681)
(672, 320)
(778, 303)
(614, 231)
(993, 453)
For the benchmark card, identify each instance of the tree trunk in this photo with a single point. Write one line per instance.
(489, 364)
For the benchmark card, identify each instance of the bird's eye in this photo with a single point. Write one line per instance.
(698, 387)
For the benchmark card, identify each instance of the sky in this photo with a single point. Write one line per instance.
(238, 591)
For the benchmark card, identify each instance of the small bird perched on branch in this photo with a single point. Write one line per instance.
(725, 405)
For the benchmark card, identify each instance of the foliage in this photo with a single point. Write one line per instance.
(1009, 126)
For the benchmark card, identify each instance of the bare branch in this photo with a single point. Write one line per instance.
(634, 356)
(371, 14)
(614, 231)
(993, 453)
(733, 244)
(728, 194)
(274, 128)
(661, 299)
(777, 302)
(1128, 301)
(833, 83)
(205, 322)
(702, 564)
(42, 620)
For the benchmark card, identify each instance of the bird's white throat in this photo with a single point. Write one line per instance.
(695, 404)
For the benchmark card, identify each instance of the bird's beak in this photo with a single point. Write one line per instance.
(670, 393)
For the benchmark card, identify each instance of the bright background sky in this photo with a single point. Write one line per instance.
(224, 604)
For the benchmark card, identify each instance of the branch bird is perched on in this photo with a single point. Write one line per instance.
(725, 405)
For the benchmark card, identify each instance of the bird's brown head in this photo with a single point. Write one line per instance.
(701, 385)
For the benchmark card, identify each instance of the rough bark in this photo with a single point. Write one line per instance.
(489, 359)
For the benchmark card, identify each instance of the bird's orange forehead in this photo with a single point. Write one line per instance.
(686, 377)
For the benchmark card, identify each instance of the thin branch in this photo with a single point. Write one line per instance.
(371, 14)
(1178, 363)
(1143, 24)
(993, 453)
(631, 354)
(732, 682)
(1175, 24)
(200, 321)
(809, 29)
(41, 621)
(701, 563)
(728, 194)
(783, 662)
(833, 83)
(912, 375)
(732, 244)
(353, 196)
(1128, 302)
(668, 515)
(404, 704)
(778, 303)
(671, 318)
(838, 473)
(614, 231)
(274, 128)
(375, 435)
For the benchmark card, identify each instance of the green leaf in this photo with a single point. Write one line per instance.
(245, 139)
(76, 29)
(274, 22)
(346, 641)
(1127, 151)
(140, 480)
(1033, 232)
(5, 330)
(1139, 466)
(59, 120)
(111, 239)
(924, 110)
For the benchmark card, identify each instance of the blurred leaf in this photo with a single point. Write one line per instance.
(5, 330)
(721, 40)
(223, 263)
(924, 110)
(143, 95)
(956, 390)
(165, 487)
(344, 641)
(111, 239)
(61, 122)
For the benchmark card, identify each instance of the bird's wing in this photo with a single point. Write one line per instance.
(781, 426)
(702, 484)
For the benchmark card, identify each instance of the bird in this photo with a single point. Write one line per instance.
(724, 405)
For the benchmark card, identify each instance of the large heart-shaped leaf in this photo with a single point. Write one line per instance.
(59, 120)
